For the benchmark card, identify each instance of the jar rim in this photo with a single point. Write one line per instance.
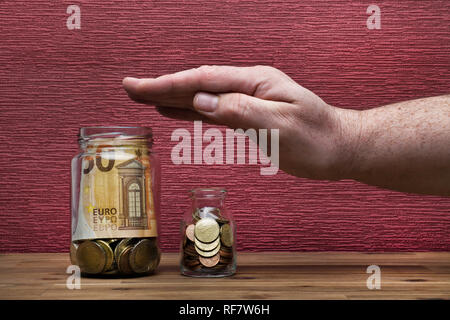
(207, 192)
(92, 132)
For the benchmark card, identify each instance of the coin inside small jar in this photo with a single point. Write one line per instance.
(207, 242)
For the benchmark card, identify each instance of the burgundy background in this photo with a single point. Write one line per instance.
(54, 81)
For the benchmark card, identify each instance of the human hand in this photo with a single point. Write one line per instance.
(316, 139)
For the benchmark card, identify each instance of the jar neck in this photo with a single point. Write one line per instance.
(116, 143)
(208, 197)
(198, 203)
(92, 138)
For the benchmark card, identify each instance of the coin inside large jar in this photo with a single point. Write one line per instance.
(144, 256)
(91, 257)
(117, 256)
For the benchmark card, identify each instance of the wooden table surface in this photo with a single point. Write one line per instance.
(280, 275)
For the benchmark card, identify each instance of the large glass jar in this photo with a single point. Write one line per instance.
(208, 236)
(115, 202)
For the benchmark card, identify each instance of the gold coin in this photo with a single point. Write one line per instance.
(190, 232)
(144, 256)
(210, 262)
(207, 246)
(123, 261)
(109, 254)
(226, 235)
(206, 230)
(73, 253)
(121, 246)
(91, 257)
(207, 254)
(155, 262)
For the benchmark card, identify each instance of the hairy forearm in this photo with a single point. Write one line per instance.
(403, 146)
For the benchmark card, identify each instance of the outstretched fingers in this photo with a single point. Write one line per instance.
(178, 89)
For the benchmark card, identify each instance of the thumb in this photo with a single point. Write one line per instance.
(236, 110)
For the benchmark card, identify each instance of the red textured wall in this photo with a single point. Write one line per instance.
(54, 80)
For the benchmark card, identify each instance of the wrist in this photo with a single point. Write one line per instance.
(349, 136)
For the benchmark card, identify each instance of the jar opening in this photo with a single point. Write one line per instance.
(105, 133)
(212, 192)
(114, 131)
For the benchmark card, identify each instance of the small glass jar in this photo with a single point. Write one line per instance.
(115, 202)
(208, 246)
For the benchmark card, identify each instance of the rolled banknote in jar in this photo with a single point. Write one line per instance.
(115, 202)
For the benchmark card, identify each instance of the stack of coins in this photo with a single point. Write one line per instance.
(126, 256)
(207, 242)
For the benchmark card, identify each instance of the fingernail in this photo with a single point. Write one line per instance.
(205, 102)
(130, 82)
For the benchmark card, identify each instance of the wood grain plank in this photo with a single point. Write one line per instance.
(280, 275)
